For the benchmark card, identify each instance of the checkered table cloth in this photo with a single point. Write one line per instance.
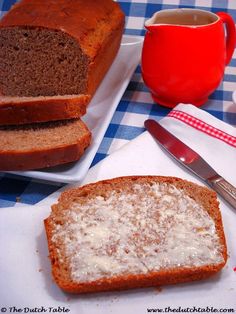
(136, 104)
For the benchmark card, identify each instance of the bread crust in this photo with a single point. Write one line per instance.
(104, 57)
(41, 109)
(45, 157)
(202, 195)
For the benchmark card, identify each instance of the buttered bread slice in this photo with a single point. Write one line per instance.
(132, 232)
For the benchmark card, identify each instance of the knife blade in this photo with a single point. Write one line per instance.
(192, 161)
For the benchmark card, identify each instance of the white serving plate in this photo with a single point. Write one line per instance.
(26, 280)
(99, 113)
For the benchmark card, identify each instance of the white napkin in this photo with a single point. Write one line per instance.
(144, 156)
(22, 229)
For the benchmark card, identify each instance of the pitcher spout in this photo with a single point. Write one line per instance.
(151, 24)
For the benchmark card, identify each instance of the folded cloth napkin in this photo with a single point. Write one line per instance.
(213, 139)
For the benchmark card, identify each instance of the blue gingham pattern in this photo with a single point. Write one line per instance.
(136, 104)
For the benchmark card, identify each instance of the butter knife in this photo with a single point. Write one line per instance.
(192, 161)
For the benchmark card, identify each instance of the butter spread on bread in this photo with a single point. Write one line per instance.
(135, 232)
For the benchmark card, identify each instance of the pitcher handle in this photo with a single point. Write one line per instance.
(231, 34)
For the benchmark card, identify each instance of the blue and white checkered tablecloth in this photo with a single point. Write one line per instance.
(136, 104)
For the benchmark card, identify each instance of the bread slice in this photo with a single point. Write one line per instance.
(42, 145)
(23, 110)
(132, 232)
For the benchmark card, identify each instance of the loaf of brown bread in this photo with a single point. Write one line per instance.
(132, 232)
(41, 145)
(57, 48)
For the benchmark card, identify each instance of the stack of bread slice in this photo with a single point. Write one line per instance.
(53, 57)
(38, 132)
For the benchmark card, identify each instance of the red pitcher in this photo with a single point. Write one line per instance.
(184, 54)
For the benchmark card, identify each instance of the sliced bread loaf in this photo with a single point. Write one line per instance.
(55, 48)
(42, 145)
(59, 47)
(132, 232)
(24, 110)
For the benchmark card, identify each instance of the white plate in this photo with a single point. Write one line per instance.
(25, 268)
(99, 113)
(26, 280)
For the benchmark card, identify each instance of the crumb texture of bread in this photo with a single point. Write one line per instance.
(131, 232)
(40, 145)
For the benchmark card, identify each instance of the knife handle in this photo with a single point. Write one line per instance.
(225, 189)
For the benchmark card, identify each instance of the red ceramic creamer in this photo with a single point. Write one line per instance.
(184, 54)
